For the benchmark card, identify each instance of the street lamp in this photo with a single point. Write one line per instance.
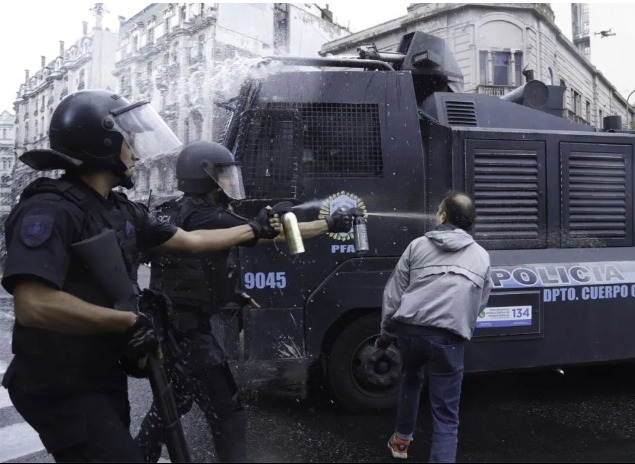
(628, 126)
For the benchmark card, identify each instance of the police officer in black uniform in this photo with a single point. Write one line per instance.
(199, 286)
(72, 350)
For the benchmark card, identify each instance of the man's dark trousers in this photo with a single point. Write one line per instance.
(438, 359)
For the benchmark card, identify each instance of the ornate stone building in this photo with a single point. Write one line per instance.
(495, 42)
(7, 159)
(186, 57)
(86, 64)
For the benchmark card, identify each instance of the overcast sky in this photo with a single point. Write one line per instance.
(29, 30)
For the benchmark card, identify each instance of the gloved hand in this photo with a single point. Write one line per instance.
(339, 221)
(141, 342)
(383, 342)
(243, 299)
(261, 224)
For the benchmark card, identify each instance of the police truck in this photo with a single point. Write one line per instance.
(391, 134)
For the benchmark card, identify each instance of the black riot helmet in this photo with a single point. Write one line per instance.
(88, 128)
(202, 167)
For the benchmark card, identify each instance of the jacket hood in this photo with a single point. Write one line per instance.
(450, 239)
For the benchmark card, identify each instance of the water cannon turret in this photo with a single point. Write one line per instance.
(432, 64)
(533, 94)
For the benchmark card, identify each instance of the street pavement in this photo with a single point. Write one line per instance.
(585, 415)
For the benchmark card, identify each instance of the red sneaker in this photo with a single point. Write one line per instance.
(398, 447)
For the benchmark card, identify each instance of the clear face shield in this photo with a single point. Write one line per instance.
(144, 130)
(229, 178)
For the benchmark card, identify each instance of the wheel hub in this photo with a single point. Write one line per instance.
(377, 369)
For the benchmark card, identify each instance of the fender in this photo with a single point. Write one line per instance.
(355, 283)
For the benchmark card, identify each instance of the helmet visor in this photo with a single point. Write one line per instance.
(229, 177)
(144, 130)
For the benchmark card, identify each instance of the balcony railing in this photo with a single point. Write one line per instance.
(495, 90)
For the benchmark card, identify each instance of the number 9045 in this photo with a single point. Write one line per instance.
(265, 279)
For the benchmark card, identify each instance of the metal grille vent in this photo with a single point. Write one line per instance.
(460, 113)
(269, 148)
(507, 195)
(597, 195)
(340, 140)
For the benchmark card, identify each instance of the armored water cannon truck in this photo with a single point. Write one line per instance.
(390, 134)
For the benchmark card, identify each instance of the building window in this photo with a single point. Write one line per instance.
(483, 67)
(550, 76)
(4, 133)
(500, 72)
(577, 102)
(149, 69)
(201, 46)
(167, 25)
(135, 43)
(588, 111)
(601, 117)
(150, 35)
(166, 59)
(175, 52)
(500, 68)
(82, 82)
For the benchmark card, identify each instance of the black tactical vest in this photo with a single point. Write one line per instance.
(202, 283)
(78, 361)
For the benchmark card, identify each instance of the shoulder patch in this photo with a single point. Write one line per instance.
(129, 229)
(36, 229)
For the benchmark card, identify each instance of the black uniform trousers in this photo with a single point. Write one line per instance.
(90, 426)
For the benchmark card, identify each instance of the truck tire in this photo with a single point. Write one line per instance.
(359, 376)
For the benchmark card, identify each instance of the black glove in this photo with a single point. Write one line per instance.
(383, 342)
(339, 221)
(243, 299)
(260, 225)
(141, 340)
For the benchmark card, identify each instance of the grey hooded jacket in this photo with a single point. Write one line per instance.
(441, 281)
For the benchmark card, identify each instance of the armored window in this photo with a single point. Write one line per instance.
(597, 202)
(507, 179)
(340, 140)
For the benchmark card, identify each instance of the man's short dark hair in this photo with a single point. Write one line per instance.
(459, 209)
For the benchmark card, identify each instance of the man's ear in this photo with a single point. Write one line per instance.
(444, 217)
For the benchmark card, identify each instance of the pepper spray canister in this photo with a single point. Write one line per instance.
(360, 231)
(292, 233)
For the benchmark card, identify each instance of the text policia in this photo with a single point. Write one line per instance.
(571, 281)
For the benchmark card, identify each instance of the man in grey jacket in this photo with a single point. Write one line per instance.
(431, 302)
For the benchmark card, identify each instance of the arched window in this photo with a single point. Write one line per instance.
(550, 76)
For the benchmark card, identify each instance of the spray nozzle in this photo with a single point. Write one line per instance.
(281, 208)
(355, 212)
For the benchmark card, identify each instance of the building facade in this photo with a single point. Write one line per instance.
(494, 43)
(186, 58)
(86, 64)
(7, 159)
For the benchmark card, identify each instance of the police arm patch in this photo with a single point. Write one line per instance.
(36, 229)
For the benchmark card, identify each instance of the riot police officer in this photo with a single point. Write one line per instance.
(199, 287)
(72, 350)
